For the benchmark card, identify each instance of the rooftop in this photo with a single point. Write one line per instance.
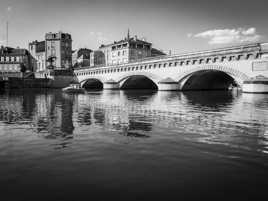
(127, 40)
(13, 51)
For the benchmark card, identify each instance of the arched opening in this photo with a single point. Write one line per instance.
(139, 82)
(93, 84)
(209, 80)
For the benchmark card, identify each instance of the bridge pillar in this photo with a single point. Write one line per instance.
(257, 84)
(168, 84)
(111, 85)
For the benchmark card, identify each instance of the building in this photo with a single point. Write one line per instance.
(59, 47)
(97, 58)
(124, 51)
(38, 51)
(12, 60)
(54, 52)
(81, 57)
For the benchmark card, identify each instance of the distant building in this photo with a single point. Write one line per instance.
(38, 51)
(59, 46)
(12, 60)
(81, 57)
(127, 50)
(97, 58)
(56, 47)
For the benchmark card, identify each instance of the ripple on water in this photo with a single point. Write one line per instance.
(132, 138)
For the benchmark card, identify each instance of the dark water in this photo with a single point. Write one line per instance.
(129, 145)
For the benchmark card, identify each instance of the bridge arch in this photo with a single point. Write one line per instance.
(92, 83)
(138, 80)
(212, 76)
(149, 75)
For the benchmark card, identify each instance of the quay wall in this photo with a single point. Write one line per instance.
(19, 83)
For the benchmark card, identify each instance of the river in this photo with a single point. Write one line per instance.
(133, 145)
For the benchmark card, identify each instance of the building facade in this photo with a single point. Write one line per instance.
(81, 57)
(97, 58)
(129, 49)
(12, 60)
(37, 50)
(59, 47)
(54, 52)
(125, 51)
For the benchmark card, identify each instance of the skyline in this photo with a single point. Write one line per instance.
(179, 26)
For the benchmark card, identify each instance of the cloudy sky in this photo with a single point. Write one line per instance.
(177, 25)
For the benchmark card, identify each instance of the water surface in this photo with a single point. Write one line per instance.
(133, 145)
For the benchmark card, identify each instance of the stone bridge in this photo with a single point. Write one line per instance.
(214, 69)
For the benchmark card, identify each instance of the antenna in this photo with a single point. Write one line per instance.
(128, 35)
(7, 34)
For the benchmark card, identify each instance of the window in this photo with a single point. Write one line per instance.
(139, 46)
(53, 52)
(118, 53)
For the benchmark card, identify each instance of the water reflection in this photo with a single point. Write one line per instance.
(47, 112)
(212, 100)
(133, 140)
(218, 117)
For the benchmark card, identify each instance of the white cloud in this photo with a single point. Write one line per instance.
(227, 36)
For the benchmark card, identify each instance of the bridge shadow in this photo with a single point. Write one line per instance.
(209, 80)
(138, 82)
(139, 95)
(93, 85)
(211, 99)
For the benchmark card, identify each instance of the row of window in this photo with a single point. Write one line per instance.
(170, 64)
(7, 67)
(119, 61)
(10, 59)
(119, 46)
(119, 53)
(9, 72)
